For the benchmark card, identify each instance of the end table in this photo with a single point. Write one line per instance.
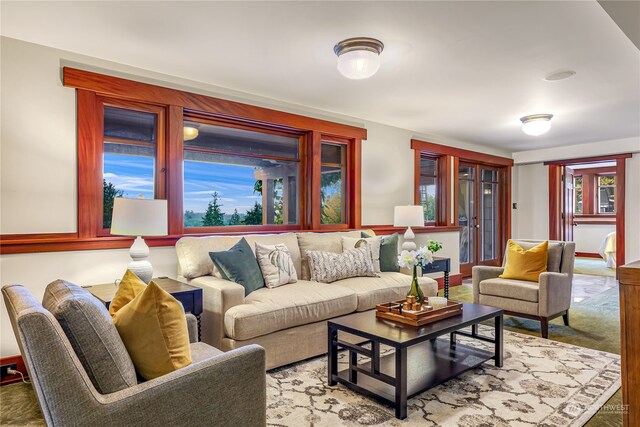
(440, 264)
(189, 296)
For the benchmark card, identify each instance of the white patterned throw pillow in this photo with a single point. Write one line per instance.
(371, 243)
(327, 267)
(276, 265)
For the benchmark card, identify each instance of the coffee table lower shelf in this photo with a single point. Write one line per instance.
(430, 364)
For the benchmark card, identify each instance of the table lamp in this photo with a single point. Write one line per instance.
(408, 216)
(139, 217)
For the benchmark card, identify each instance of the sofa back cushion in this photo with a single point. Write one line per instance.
(193, 252)
(92, 334)
(321, 242)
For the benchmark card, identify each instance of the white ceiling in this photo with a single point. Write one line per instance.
(464, 70)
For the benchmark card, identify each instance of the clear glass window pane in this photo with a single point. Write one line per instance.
(120, 123)
(489, 213)
(428, 166)
(465, 217)
(577, 186)
(129, 157)
(240, 141)
(223, 190)
(333, 184)
(489, 175)
(428, 197)
(606, 194)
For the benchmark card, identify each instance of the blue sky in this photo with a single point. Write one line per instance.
(234, 184)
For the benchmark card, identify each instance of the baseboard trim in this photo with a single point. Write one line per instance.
(21, 367)
(588, 255)
(454, 280)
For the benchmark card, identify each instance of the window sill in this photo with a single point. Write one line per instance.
(390, 229)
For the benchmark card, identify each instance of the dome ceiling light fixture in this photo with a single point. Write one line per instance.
(536, 124)
(358, 57)
(189, 133)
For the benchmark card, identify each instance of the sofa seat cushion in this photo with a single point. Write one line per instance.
(509, 288)
(388, 287)
(201, 351)
(268, 310)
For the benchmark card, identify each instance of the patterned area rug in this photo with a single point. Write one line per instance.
(542, 383)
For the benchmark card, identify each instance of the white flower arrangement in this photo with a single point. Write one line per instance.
(421, 257)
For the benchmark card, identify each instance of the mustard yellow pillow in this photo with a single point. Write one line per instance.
(128, 288)
(525, 265)
(153, 328)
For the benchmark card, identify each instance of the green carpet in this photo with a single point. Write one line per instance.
(593, 266)
(594, 323)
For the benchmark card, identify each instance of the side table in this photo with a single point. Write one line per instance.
(438, 265)
(189, 296)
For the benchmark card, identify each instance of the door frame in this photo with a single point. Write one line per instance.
(556, 189)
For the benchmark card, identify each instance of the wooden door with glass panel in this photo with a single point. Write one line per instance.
(478, 215)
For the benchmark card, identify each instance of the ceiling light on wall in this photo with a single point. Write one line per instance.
(536, 124)
(190, 133)
(358, 57)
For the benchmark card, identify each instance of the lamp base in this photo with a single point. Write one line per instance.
(139, 265)
(408, 244)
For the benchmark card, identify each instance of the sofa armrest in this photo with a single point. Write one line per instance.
(211, 392)
(480, 273)
(554, 294)
(218, 296)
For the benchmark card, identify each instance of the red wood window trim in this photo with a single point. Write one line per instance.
(590, 189)
(92, 88)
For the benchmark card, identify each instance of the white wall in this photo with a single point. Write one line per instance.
(39, 161)
(531, 219)
(589, 237)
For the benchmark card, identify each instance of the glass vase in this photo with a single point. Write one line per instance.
(415, 290)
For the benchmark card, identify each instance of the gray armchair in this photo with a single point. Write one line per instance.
(544, 300)
(216, 389)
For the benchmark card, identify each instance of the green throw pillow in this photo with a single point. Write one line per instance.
(239, 265)
(388, 252)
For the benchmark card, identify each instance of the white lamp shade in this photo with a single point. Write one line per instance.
(408, 216)
(358, 64)
(139, 217)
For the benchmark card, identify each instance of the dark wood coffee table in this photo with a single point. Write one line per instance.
(420, 361)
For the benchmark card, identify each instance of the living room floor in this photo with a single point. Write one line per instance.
(594, 320)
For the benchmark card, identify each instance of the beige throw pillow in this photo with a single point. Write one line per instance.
(371, 243)
(276, 265)
(328, 267)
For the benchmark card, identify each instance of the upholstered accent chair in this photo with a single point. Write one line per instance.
(544, 300)
(217, 389)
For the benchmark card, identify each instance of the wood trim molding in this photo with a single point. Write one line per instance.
(595, 222)
(10, 379)
(582, 160)
(473, 156)
(588, 255)
(555, 202)
(130, 89)
(620, 208)
(390, 229)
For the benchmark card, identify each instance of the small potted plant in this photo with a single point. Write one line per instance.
(434, 246)
(421, 257)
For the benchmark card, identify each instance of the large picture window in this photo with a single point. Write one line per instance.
(239, 177)
(595, 192)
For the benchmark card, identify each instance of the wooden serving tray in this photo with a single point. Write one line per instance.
(390, 311)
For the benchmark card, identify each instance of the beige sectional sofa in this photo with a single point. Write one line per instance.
(290, 321)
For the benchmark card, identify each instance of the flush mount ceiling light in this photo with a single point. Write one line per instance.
(358, 57)
(536, 124)
(190, 133)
